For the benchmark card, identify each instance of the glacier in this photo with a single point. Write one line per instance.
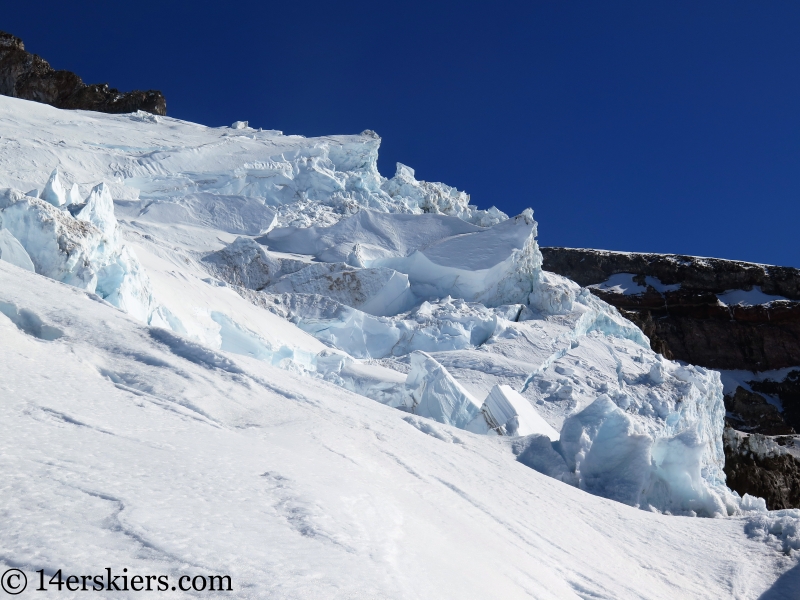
(233, 258)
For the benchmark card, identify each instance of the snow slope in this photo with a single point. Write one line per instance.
(259, 306)
(143, 450)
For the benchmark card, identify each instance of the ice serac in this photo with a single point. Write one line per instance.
(12, 251)
(436, 395)
(492, 266)
(663, 452)
(421, 305)
(99, 211)
(442, 256)
(85, 252)
(245, 262)
(74, 195)
(378, 291)
(377, 235)
(509, 413)
(448, 324)
(438, 198)
(53, 191)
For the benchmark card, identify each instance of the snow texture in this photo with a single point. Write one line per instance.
(371, 373)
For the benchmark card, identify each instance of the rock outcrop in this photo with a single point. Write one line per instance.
(677, 305)
(764, 466)
(30, 77)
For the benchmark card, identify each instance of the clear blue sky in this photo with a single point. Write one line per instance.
(668, 126)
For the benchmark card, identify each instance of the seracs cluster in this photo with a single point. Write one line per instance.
(296, 251)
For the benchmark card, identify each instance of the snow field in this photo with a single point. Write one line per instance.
(133, 450)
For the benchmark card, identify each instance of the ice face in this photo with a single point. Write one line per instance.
(12, 251)
(74, 196)
(442, 256)
(85, 252)
(53, 191)
(377, 291)
(99, 211)
(510, 413)
(436, 395)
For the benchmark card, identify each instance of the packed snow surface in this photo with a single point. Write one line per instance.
(249, 353)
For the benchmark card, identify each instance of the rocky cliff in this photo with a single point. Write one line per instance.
(728, 315)
(28, 76)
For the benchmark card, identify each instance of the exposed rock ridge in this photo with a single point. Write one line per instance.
(588, 266)
(690, 323)
(30, 77)
(768, 467)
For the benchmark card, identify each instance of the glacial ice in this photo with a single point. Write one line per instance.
(74, 196)
(508, 412)
(12, 251)
(99, 211)
(377, 291)
(126, 439)
(378, 234)
(85, 252)
(436, 395)
(397, 289)
(53, 191)
(448, 324)
(438, 198)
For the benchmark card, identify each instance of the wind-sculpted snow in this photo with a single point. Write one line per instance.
(367, 235)
(241, 180)
(441, 255)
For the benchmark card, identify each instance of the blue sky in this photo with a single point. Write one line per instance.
(642, 126)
